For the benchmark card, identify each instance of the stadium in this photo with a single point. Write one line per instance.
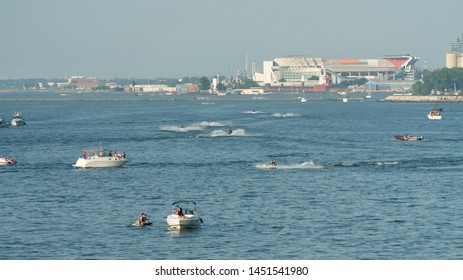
(311, 71)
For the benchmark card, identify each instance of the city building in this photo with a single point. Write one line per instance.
(454, 58)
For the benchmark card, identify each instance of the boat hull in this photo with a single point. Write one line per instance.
(17, 123)
(100, 162)
(434, 117)
(181, 222)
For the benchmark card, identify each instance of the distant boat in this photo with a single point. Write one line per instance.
(17, 120)
(303, 99)
(435, 113)
(4, 123)
(408, 137)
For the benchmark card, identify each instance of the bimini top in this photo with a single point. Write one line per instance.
(184, 201)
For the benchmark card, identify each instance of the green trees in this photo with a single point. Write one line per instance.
(358, 82)
(444, 80)
(204, 83)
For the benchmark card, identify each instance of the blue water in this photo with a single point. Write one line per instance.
(346, 189)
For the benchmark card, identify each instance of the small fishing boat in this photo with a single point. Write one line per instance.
(408, 137)
(7, 161)
(435, 113)
(184, 215)
(17, 119)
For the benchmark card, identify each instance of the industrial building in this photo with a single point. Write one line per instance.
(454, 58)
(311, 71)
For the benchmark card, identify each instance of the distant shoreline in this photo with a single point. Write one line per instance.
(261, 97)
(168, 99)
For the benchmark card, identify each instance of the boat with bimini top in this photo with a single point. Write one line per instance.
(435, 113)
(184, 215)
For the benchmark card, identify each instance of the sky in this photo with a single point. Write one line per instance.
(184, 38)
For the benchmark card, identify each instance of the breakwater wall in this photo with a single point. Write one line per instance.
(423, 98)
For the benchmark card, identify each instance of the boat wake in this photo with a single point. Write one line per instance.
(211, 123)
(175, 128)
(304, 165)
(224, 133)
(360, 164)
(253, 112)
(285, 115)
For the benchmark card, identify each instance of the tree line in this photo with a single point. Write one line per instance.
(443, 80)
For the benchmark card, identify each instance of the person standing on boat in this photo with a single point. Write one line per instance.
(84, 155)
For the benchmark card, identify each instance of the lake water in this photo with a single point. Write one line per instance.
(344, 189)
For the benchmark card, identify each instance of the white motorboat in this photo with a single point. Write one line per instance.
(435, 113)
(184, 215)
(4, 123)
(17, 119)
(97, 159)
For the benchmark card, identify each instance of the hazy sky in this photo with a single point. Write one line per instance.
(177, 38)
